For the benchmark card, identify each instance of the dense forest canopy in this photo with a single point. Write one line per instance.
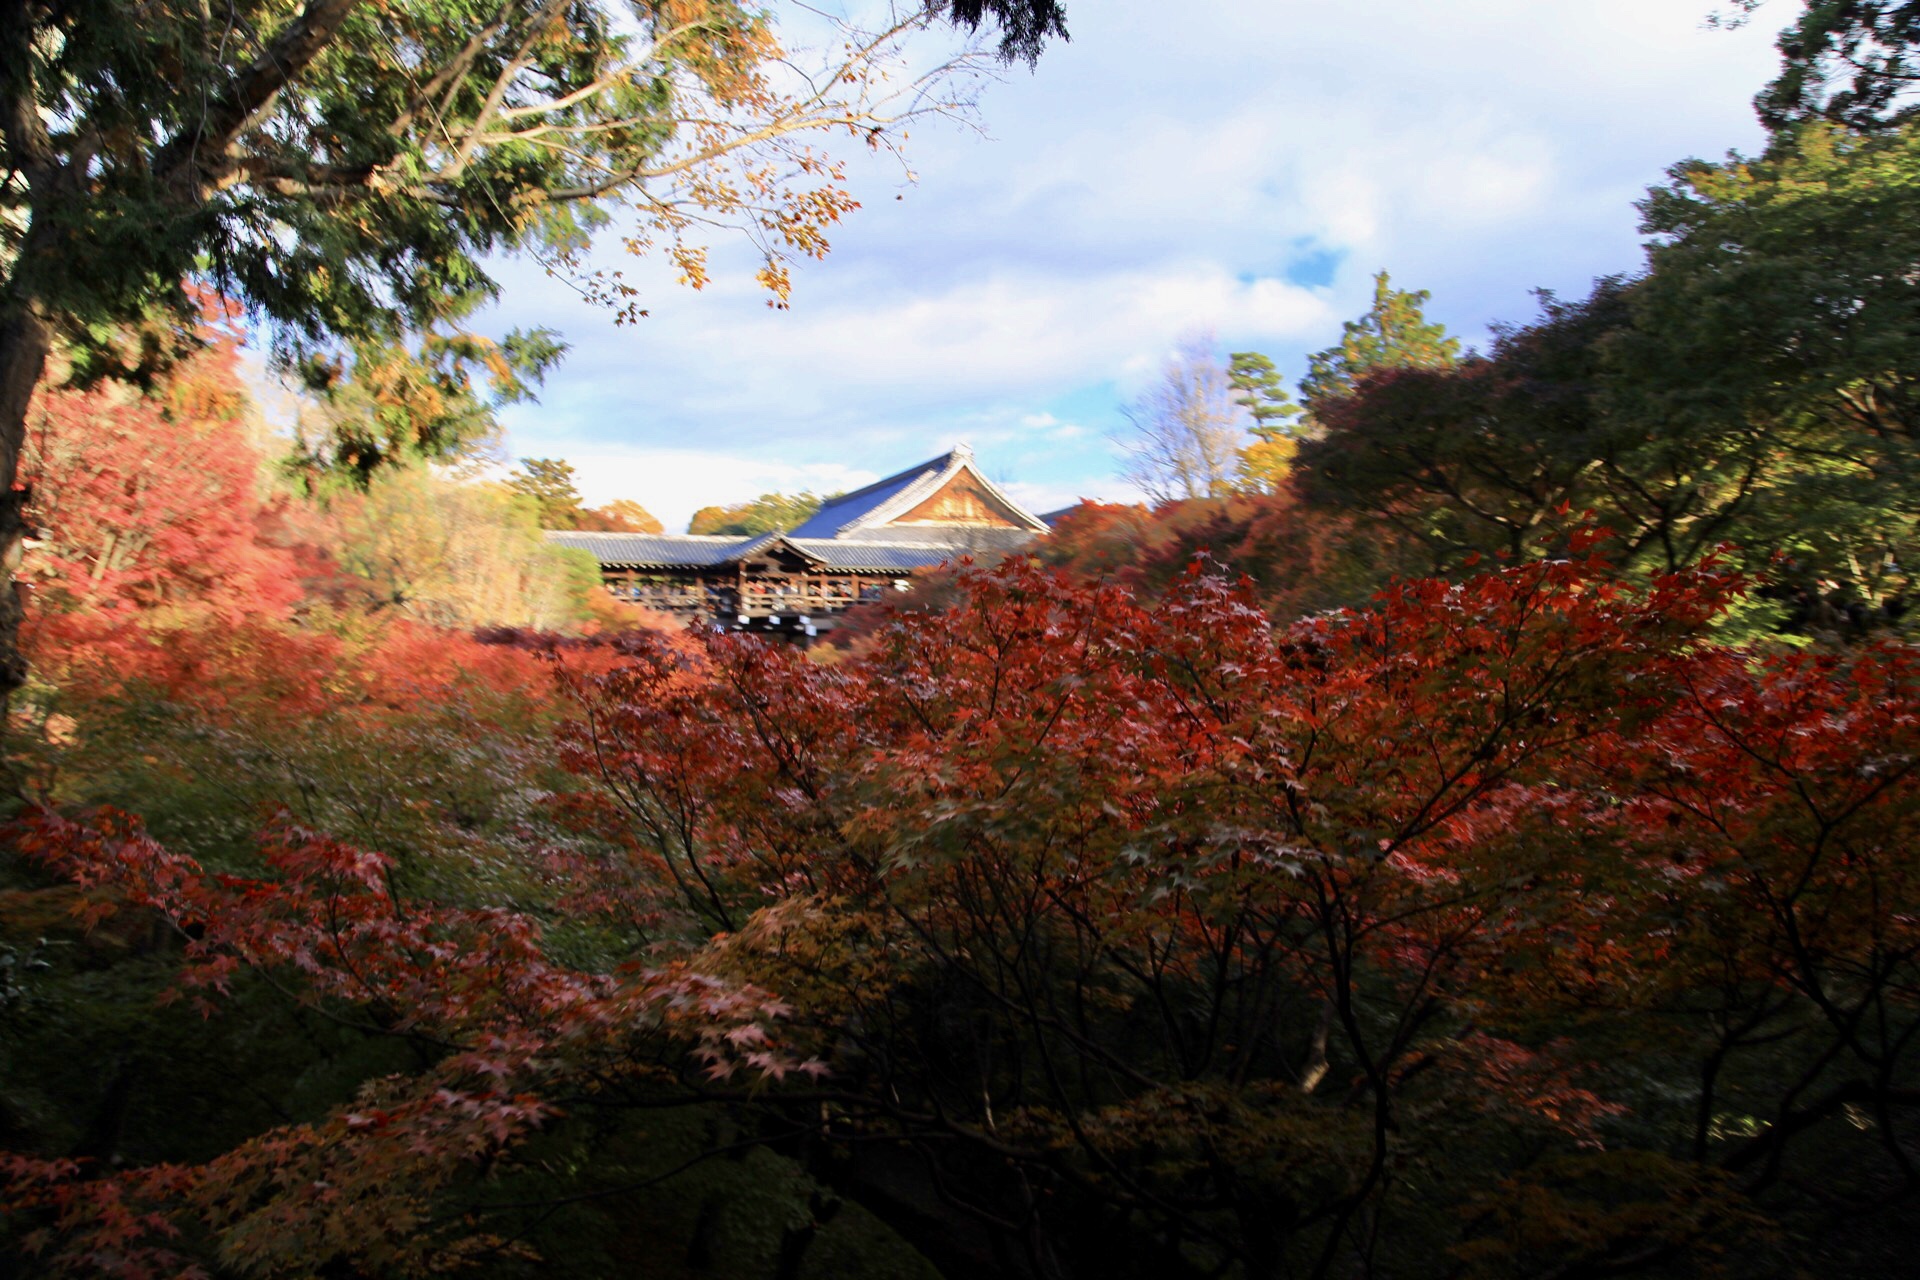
(1467, 830)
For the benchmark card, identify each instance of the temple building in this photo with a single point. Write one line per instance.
(857, 547)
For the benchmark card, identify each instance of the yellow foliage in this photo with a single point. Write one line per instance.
(457, 553)
(1266, 463)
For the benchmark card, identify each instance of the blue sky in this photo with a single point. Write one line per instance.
(1238, 166)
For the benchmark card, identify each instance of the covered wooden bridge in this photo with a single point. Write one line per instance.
(857, 547)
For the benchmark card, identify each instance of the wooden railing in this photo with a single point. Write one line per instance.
(755, 602)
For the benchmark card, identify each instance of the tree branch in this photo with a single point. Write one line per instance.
(193, 163)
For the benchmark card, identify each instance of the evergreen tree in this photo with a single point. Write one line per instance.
(1394, 334)
(346, 170)
(548, 482)
(1852, 62)
(1257, 386)
(1259, 389)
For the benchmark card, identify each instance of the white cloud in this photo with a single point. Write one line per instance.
(898, 351)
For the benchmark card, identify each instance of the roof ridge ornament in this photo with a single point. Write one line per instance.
(963, 451)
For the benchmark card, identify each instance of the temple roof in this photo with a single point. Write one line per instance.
(847, 553)
(873, 507)
(856, 532)
(690, 551)
(685, 550)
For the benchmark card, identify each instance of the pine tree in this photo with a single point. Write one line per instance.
(1257, 386)
(549, 483)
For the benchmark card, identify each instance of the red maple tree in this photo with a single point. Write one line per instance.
(1505, 926)
(148, 497)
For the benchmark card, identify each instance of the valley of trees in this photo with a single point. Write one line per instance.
(1460, 830)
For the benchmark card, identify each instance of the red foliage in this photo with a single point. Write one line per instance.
(144, 499)
(1123, 912)
(1296, 560)
(1481, 835)
(505, 1027)
(258, 665)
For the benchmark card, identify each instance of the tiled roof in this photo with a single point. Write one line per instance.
(850, 532)
(652, 550)
(839, 553)
(837, 515)
(958, 539)
(756, 545)
(884, 500)
(872, 553)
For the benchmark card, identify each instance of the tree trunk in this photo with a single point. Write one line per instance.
(25, 340)
(187, 169)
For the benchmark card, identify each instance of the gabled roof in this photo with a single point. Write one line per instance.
(673, 550)
(872, 507)
(759, 545)
(852, 532)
